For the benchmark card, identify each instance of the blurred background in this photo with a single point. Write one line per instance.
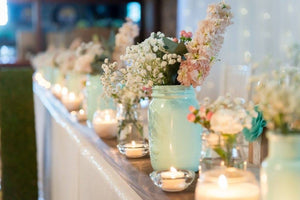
(30, 26)
(262, 30)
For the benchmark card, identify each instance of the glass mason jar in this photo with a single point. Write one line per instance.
(173, 140)
(131, 140)
(58, 76)
(280, 171)
(222, 150)
(96, 100)
(48, 73)
(75, 81)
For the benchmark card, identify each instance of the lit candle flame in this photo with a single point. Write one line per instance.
(245, 165)
(173, 169)
(81, 112)
(57, 87)
(222, 181)
(107, 117)
(133, 143)
(64, 91)
(222, 163)
(72, 96)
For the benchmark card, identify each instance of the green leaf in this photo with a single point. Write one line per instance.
(181, 49)
(170, 45)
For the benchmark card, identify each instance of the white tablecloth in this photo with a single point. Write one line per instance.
(70, 166)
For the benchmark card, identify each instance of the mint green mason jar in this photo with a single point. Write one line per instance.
(75, 81)
(58, 76)
(173, 140)
(96, 99)
(280, 171)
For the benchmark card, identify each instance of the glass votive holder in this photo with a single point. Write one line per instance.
(227, 184)
(105, 123)
(134, 149)
(56, 90)
(72, 101)
(81, 115)
(172, 180)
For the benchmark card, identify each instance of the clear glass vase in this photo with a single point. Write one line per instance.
(131, 140)
(174, 141)
(222, 150)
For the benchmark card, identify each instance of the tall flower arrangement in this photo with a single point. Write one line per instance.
(160, 60)
(278, 96)
(207, 42)
(124, 38)
(87, 55)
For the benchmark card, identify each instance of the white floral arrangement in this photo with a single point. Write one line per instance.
(121, 85)
(65, 60)
(225, 119)
(278, 96)
(44, 59)
(124, 38)
(225, 115)
(86, 55)
(160, 60)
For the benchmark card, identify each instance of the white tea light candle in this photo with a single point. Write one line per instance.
(173, 180)
(81, 115)
(134, 150)
(56, 90)
(105, 123)
(228, 184)
(71, 101)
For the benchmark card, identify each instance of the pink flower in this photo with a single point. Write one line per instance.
(182, 33)
(209, 115)
(192, 109)
(202, 109)
(175, 40)
(191, 117)
(189, 34)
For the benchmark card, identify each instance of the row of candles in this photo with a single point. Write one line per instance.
(104, 123)
(222, 184)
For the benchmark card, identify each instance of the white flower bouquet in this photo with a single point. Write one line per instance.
(224, 119)
(160, 60)
(278, 97)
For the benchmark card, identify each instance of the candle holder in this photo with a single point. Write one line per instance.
(72, 101)
(131, 140)
(81, 115)
(225, 184)
(57, 90)
(172, 180)
(105, 123)
(134, 149)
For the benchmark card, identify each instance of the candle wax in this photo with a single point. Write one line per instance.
(173, 181)
(240, 191)
(71, 102)
(105, 129)
(133, 150)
